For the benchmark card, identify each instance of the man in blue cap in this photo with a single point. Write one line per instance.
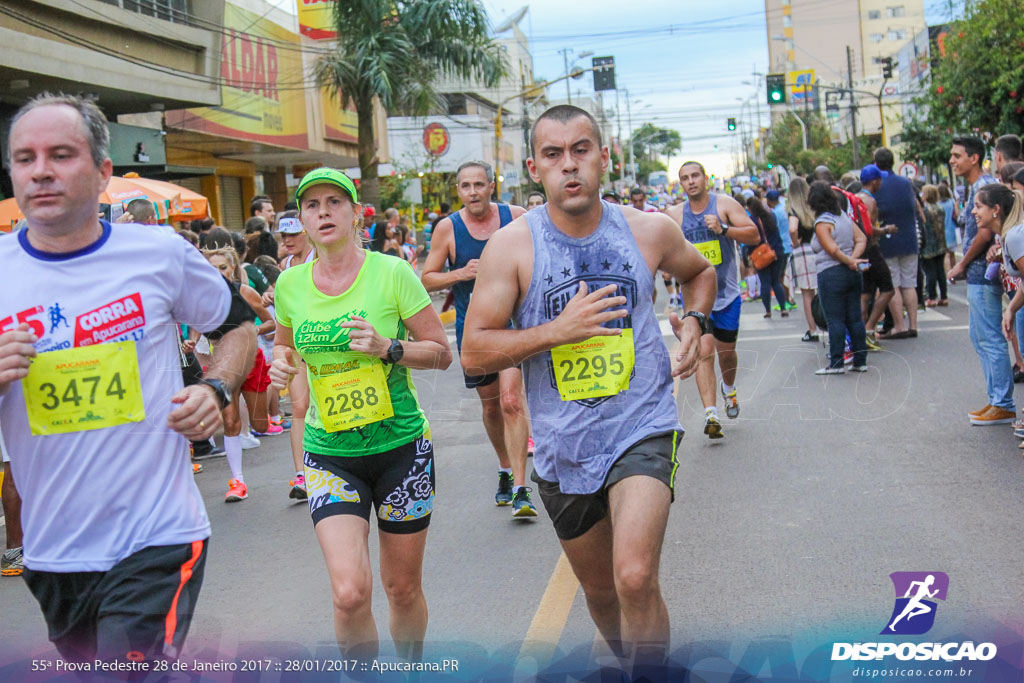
(877, 277)
(897, 205)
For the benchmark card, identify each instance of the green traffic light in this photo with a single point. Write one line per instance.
(776, 96)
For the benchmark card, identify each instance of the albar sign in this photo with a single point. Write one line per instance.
(316, 19)
(436, 139)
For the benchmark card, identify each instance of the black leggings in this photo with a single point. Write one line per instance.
(935, 271)
(771, 278)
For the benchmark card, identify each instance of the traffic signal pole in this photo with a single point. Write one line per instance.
(536, 88)
(853, 106)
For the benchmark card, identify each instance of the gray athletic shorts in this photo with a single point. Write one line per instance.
(575, 514)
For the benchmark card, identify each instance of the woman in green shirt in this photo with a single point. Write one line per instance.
(361, 320)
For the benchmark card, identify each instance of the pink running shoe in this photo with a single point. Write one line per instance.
(236, 491)
(298, 485)
(272, 430)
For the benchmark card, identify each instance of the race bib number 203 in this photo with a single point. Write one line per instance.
(77, 390)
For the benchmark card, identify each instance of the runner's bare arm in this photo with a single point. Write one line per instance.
(281, 368)
(516, 211)
(198, 412)
(442, 248)
(254, 300)
(679, 259)
(488, 346)
(741, 227)
(659, 236)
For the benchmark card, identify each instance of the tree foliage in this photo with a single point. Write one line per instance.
(924, 143)
(394, 51)
(977, 85)
(785, 146)
(651, 142)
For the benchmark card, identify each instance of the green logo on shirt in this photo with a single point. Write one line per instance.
(324, 336)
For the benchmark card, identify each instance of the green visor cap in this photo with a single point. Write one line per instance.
(326, 175)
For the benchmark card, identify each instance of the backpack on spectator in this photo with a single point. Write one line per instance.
(858, 210)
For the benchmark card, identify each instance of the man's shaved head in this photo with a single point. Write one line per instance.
(564, 113)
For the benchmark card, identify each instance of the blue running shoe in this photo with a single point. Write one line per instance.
(504, 495)
(522, 506)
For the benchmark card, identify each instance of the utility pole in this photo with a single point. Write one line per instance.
(618, 135)
(629, 124)
(757, 103)
(853, 105)
(565, 60)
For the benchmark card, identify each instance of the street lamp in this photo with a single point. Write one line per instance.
(535, 88)
(565, 60)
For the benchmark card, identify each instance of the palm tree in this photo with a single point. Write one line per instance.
(394, 51)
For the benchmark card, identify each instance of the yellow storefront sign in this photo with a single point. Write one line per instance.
(339, 124)
(262, 91)
(316, 19)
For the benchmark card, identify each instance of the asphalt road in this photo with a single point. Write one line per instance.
(782, 535)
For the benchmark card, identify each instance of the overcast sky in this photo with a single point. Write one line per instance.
(685, 61)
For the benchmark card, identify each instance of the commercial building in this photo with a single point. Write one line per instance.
(823, 46)
(131, 59)
(463, 129)
(272, 122)
(214, 96)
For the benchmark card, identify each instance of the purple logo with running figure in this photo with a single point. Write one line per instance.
(916, 593)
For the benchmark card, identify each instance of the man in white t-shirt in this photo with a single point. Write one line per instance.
(92, 403)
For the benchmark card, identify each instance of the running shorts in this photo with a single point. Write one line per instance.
(398, 483)
(575, 514)
(258, 380)
(725, 324)
(474, 381)
(877, 276)
(139, 609)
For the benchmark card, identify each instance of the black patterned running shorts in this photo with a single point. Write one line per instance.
(399, 483)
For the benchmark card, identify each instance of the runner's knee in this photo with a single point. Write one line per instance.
(351, 594)
(512, 403)
(492, 409)
(232, 423)
(635, 581)
(403, 592)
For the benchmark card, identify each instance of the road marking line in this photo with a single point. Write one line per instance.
(552, 614)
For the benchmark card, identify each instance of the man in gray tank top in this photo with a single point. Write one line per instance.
(577, 277)
(714, 223)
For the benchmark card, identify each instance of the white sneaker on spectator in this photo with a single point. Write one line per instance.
(248, 441)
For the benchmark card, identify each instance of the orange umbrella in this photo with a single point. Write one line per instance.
(170, 201)
(191, 205)
(123, 190)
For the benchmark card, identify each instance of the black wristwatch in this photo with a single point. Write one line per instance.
(395, 352)
(219, 389)
(702, 320)
(725, 229)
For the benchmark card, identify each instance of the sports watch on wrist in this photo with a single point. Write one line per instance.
(219, 389)
(395, 352)
(702, 320)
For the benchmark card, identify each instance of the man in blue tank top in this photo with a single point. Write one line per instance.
(459, 240)
(577, 277)
(714, 223)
